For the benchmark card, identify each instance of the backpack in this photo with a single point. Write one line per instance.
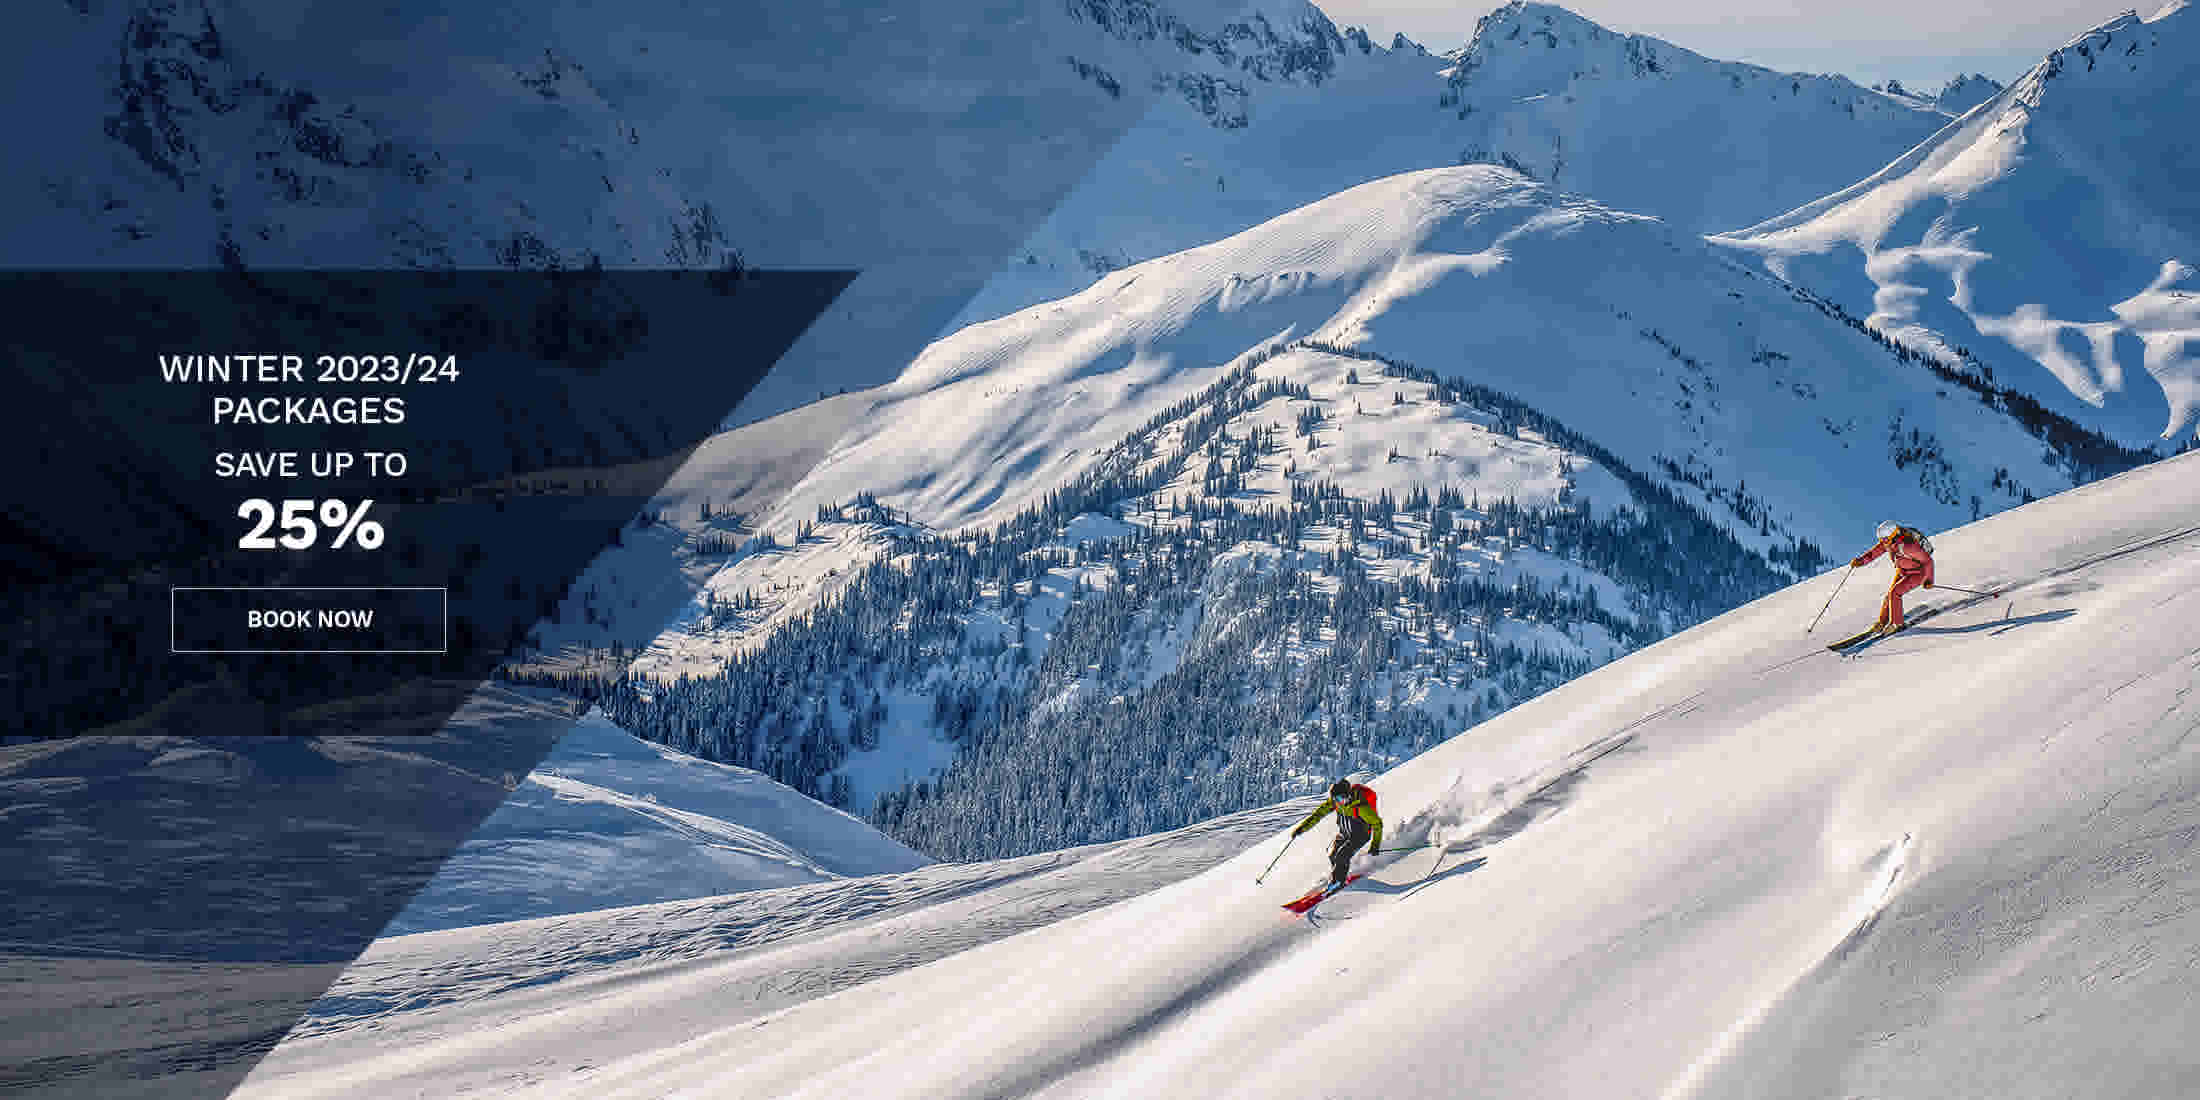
(1367, 795)
(1920, 537)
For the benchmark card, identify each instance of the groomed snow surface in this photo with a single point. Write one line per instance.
(1960, 863)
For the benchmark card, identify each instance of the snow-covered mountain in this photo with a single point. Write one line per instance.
(1374, 450)
(184, 132)
(1647, 126)
(1640, 124)
(556, 135)
(2052, 233)
(917, 141)
(1955, 98)
(198, 132)
(607, 821)
(1561, 301)
(1728, 865)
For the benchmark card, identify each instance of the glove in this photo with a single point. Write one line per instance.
(1928, 584)
(1375, 849)
(1856, 563)
(1298, 830)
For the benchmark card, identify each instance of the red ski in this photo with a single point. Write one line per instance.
(1315, 896)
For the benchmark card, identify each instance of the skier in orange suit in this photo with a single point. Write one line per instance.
(1913, 568)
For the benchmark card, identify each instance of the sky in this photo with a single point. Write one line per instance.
(1867, 40)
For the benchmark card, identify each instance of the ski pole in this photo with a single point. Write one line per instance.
(1410, 848)
(1272, 863)
(1829, 601)
(1960, 588)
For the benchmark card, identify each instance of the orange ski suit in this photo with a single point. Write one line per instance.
(1913, 567)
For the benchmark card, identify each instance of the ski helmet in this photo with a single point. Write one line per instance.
(1888, 528)
(1341, 790)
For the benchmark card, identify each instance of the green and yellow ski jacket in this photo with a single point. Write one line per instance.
(1361, 805)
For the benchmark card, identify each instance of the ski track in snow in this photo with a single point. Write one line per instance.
(1850, 928)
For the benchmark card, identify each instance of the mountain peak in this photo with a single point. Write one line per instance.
(1533, 12)
(1627, 117)
(2129, 18)
(1962, 93)
(1555, 39)
(1281, 16)
(1547, 23)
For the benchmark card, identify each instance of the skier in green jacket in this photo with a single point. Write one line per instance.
(1357, 824)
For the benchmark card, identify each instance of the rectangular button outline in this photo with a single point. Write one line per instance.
(175, 588)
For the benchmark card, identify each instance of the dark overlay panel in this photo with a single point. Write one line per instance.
(267, 532)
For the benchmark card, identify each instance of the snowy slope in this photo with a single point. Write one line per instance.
(2054, 227)
(608, 821)
(436, 1013)
(1637, 123)
(1729, 865)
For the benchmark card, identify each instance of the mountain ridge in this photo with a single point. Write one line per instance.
(1212, 159)
(2043, 230)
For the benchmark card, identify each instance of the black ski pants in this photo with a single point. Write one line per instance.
(1352, 835)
